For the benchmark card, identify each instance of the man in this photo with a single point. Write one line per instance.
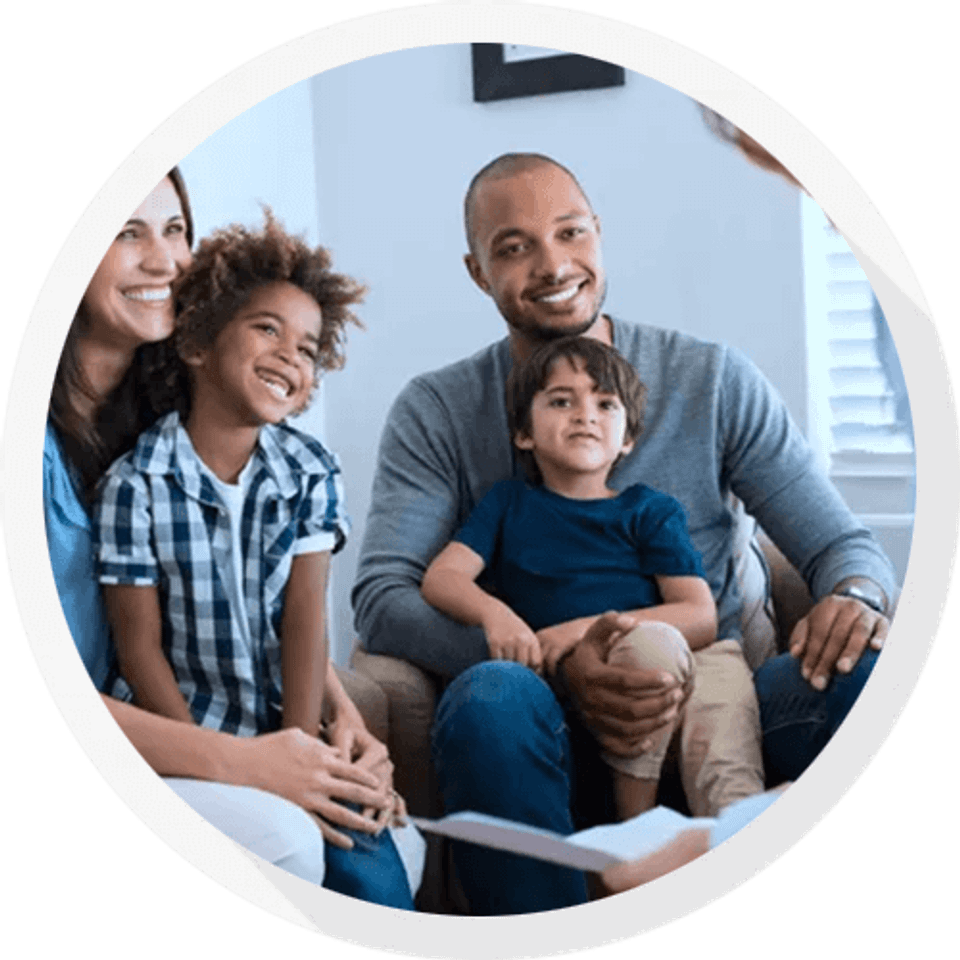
(505, 742)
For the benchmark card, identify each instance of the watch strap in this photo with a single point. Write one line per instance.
(864, 596)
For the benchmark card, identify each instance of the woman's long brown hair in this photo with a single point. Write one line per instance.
(92, 445)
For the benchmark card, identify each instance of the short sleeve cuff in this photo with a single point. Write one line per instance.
(324, 542)
(131, 574)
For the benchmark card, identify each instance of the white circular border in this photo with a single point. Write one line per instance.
(934, 529)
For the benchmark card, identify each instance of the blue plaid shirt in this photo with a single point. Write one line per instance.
(160, 522)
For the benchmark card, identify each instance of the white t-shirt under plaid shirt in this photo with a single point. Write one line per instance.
(160, 521)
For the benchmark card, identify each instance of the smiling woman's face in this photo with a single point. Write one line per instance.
(129, 300)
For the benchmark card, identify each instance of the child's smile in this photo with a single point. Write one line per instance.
(261, 367)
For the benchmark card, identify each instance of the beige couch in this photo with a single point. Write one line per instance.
(775, 597)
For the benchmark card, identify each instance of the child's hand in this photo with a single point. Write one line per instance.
(509, 638)
(556, 642)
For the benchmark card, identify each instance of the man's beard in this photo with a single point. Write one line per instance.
(549, 334)
(544, 334)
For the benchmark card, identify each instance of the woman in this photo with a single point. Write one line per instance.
(98, 408)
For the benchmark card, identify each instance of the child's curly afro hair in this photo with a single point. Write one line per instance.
(231, 263)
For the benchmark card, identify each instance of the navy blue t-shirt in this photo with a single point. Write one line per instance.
(553, 559)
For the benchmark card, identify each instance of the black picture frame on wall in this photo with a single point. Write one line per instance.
(496, 79)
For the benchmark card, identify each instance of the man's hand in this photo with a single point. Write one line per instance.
(557, 641)
(622, 706)
(683, 849)
(509, 638)
(833, 635)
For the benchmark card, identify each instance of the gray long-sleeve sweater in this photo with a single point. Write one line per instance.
(713, 425)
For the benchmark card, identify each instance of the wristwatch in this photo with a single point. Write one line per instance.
(864, 596)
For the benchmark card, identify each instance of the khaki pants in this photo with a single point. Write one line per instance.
(719, 729)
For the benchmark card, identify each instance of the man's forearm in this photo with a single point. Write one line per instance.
(853, 553)
(774, 473)
(400, 623)
(415, 508)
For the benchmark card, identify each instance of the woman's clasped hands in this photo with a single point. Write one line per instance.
(316, 776)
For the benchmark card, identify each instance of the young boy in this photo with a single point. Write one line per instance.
(558, 553)
(215, 531)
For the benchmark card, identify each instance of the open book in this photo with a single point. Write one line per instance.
(598, 847)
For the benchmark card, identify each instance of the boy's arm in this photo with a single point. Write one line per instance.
(134, 615)
(687, 605)
(303, 642)
(449, 586)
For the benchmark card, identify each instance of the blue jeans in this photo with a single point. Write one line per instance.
(502, 745)
(371, 871)
(798, 721)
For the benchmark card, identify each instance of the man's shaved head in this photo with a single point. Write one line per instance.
(502, 168)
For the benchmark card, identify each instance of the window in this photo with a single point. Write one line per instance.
(858, 412)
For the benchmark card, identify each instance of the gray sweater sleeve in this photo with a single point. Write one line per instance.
(415, 507)
(770, 467)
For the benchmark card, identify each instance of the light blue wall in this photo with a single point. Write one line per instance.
(694, 237)
(263, 157)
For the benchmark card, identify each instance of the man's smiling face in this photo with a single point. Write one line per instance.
(536, 252)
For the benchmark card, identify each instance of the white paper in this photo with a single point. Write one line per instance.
(592, 849)
(598, 847)
(517, 838)
(641, 835)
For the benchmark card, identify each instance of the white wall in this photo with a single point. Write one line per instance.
(694, 237)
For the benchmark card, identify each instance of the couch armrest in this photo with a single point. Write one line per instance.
(791, 598)
(411, 697)
(369, 698)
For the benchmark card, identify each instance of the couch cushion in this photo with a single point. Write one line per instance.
(758, 622)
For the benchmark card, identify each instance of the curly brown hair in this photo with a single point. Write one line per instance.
(233, 262)
(610, 372)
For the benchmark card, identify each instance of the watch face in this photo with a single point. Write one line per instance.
(859, 594)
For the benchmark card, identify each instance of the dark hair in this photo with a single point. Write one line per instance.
(92, 445)
(610, 372)
(502, 167)
(228, 267)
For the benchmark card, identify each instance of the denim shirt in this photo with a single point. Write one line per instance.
(70, 542)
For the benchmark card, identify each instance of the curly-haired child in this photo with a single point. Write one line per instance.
(215, 532)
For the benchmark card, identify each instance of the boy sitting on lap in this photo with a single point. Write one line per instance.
(569, 547)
